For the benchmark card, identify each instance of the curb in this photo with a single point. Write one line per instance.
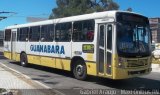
(25, 76)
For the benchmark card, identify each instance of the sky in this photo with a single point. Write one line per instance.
(43, 8)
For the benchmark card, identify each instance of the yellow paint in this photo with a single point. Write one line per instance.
(122, 73)
(67, 64)
(63, 64)
(17, 57)
(48, 61)
(114, 64)
(33, 59)
(90, 57)
(117, 73)
(12, 56)
(104, 74)
(91, 68)
(7, 54)
(114, 60)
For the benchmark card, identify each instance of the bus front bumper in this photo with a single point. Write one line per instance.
(120, 73)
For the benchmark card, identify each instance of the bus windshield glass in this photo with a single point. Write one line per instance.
(133, 35)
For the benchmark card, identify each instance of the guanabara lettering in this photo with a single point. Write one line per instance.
(48, 49)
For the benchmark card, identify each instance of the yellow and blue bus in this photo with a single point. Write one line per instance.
(110, 44)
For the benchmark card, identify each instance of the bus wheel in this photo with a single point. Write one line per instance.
(80, 70)
(23, 60)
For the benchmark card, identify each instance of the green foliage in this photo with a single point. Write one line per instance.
(77, 7)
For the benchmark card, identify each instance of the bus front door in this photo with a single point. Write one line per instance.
(105, 50)
(13, 44)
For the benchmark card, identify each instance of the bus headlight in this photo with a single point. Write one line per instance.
(121, 62)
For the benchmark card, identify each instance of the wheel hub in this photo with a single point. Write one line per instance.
(79, 70)
(23, 62)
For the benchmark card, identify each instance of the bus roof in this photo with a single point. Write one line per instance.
(95, 15)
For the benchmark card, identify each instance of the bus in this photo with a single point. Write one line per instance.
(109, 44)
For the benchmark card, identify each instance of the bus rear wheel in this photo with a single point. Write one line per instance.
(23, 60)
(80, 70)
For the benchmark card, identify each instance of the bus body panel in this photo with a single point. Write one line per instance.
(60, 54)
(129, 72)
(7, 49)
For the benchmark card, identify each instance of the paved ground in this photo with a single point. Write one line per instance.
(20, 84)
(10, 81)
(15, 81)
(65, 83)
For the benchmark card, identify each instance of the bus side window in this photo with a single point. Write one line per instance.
(83, 31)
(77, 30)
(47, 33)
(7, 35)
(23, 34)
(34, 33)
(89, 24)
(57, 32)
(63, 32)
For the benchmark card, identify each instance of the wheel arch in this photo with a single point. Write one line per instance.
(22, 53)
(23, 58)
(74, 59)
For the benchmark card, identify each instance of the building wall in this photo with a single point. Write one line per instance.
(154, 35)
(158, 35)
(155, 29)
(1, 37)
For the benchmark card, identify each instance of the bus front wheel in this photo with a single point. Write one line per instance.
(23, 60)
(80, 70)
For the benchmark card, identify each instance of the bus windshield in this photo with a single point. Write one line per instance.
(133, 35)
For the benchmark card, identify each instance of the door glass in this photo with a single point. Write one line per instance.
(109, 49)
(109, 37)
(13, 43)
(101, 50)
(109, 57)
(101, 36)
(13, 36)
(105, 49)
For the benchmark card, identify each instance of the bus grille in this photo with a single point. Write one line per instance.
(136, 72)
(137, 63)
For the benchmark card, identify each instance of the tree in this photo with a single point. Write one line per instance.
(77, 7)
(129, 9)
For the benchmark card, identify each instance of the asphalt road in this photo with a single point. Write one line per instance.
(64, 81)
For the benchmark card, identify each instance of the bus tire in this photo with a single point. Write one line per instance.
(23, 60)
(80, 70)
